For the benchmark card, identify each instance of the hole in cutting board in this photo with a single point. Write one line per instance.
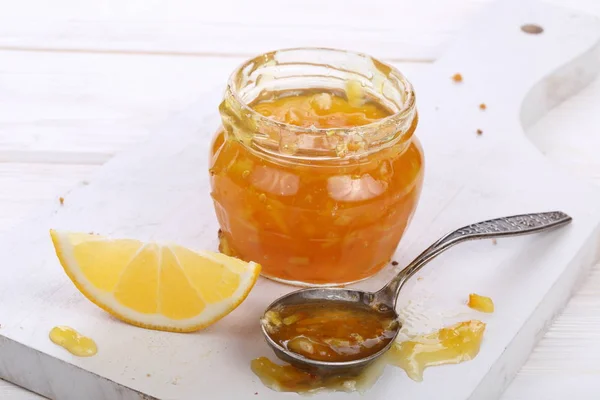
(532, 29)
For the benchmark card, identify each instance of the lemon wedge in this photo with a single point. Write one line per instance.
(155, 286)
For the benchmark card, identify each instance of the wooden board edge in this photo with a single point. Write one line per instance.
(15, 359)
(504, 370)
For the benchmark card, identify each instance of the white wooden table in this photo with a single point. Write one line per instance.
(81, 81)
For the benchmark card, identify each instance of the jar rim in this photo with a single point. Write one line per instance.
(333, 68)
(394, 118)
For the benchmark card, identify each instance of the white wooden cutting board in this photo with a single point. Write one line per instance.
(160, 191)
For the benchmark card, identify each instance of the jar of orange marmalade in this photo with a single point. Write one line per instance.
(316, 171)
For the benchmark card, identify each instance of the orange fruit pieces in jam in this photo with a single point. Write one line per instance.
(315, 222)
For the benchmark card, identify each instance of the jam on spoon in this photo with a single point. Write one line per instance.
(331, 331)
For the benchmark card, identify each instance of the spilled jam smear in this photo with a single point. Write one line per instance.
(452, 345)
(286, 378)
(331, 331)
(71, 340)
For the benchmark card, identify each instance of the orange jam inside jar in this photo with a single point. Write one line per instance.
(316, 171)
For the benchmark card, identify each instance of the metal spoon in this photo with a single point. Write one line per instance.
(385, 298)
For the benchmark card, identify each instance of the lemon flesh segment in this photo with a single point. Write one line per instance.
(178, 299)
(103, 271)
(215, 281)
(168, 288)
(138, 287)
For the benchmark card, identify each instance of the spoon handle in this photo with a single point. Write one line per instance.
(499, 227)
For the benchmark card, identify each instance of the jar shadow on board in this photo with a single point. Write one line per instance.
(316, 171)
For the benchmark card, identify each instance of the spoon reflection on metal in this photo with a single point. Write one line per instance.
(384, 300)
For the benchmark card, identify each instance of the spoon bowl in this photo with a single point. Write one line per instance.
(353, 297)
(384, 300)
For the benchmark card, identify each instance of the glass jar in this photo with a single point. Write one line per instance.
(315, 205)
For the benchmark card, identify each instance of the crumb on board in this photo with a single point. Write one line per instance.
(61, 200)
(394, 263)
(148, 375)
(457, 78)
(255, 393)
(482, 107)
(479, 132)
(420, 278)
(494, 242)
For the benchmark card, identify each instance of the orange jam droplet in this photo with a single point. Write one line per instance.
(75, 343)
(452, 345)
(481, 303)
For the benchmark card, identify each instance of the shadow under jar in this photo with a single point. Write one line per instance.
(316, 171)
